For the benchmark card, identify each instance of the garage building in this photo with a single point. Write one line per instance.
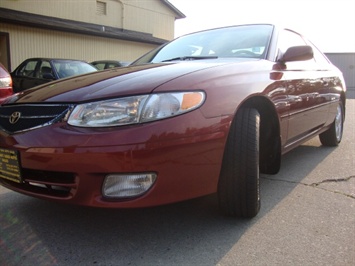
(86, 29)
(346, 63)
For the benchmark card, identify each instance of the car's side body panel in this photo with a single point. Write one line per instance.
(300, 100)
(191, 144)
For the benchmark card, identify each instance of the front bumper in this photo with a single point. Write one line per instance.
(64, 164)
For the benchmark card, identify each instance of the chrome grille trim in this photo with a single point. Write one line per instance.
(30, 117)
(33, 116)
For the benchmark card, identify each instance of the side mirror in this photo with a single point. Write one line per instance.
(297, 53)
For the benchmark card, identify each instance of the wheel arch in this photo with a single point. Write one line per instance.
(270, 137)
(343, 100)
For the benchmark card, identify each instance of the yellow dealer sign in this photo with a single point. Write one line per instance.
(9, 165)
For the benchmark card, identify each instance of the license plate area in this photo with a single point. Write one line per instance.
(10, 165)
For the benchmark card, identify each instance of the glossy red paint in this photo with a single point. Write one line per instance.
(5, 84)
(190, 145)
(296, 100)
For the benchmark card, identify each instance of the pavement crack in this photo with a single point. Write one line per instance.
(333, 180)
(317, 184)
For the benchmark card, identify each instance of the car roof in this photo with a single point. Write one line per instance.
(107, 61)
(57, 59)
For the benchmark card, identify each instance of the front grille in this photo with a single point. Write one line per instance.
(46, 183)
(23, 117)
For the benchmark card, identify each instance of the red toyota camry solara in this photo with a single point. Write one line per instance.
(202, 114)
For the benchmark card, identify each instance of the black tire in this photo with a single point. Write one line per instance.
(239, 188)
(334, 134)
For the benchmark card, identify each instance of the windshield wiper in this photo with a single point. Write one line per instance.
(188, 58)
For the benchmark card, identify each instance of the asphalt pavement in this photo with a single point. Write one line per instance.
(307, 218)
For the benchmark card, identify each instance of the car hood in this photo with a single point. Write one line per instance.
(115, 82)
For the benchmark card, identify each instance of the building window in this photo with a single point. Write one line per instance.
(101, 8)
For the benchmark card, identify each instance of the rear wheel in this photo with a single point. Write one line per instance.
(238, 188)
(334, 134)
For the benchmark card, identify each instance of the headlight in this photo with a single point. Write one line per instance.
(134, 109)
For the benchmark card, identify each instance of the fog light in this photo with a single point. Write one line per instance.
(127, 185)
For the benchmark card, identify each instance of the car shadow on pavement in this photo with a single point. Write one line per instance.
(37, 232)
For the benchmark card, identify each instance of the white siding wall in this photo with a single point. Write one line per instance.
(28, 42)
(79, 10)
(149, 16)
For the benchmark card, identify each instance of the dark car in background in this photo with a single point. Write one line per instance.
(106, 64)
(203, 114)
(5, 84)
(36, 71)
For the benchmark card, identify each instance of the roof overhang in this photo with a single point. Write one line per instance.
(178, 13)
(64, 25)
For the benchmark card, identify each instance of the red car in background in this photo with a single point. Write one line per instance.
(5, 84)
(203, 114)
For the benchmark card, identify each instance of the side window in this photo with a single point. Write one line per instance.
(44, 68)
(319, 56)
(112, 65)
(289, 39)
(100, 66)
(28, 69)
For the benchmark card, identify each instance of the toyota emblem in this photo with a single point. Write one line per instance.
(14, 117)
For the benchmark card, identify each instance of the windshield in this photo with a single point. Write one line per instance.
(240, 41)
(67, 68)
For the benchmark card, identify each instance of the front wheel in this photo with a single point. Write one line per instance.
(334, 134)
(239, 188)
